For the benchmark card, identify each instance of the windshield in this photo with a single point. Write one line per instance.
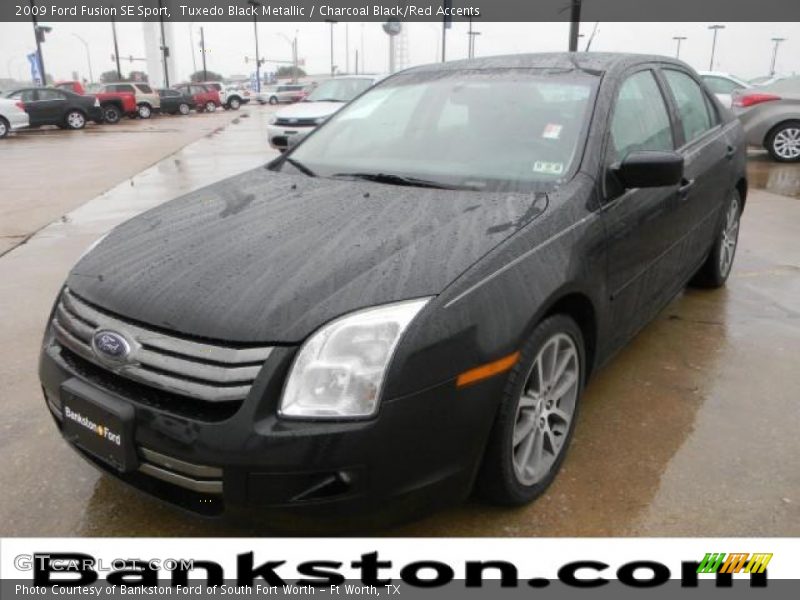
(338, 90)
(494, 129)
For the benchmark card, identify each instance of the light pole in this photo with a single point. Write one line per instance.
(333, 67)
(39, 31)
(777, 41)
(715, 29)
(574, 25)
(293, 45)
(346, 48)
(164, 48)
(679, 39)
(88, 56)
(203, 52)
(471, 37)
(116, 48)
(255, 6)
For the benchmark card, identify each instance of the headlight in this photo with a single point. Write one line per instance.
(272, 120)
(340, 370)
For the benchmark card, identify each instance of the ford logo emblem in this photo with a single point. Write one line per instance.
(110, 345)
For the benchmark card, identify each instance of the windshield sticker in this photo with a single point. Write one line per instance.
(550, 168)
(552, 131)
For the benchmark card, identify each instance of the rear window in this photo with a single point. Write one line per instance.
(143, 87)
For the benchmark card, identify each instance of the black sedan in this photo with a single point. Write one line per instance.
(408, 305)
(51, 106)
(174, 102)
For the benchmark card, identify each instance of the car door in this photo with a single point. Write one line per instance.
(52, 106)
(708, 169)
(640, 222)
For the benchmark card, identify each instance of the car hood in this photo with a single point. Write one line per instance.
(309, 110)
(269, 257)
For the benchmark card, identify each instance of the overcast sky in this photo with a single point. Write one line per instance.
(744, 49)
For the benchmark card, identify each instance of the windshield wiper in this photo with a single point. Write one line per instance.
(299, 166)
(326, 100)
(399, 180)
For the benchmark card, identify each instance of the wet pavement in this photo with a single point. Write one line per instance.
(691, 430)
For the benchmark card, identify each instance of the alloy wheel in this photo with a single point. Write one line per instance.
(75, 120)
(144, 111)
(210, 107)
(730, 236)
(184, 109)
(545, 409)
(3, 129)
(786, 143)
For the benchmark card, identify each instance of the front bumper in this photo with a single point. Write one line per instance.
(283, 137)
(421, 451)
(18, 120)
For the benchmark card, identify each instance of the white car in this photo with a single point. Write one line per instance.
(290, 125)
(722, 85)
(12, 116)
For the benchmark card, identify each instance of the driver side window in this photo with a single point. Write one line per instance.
(641, 120)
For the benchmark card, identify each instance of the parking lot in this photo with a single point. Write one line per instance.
(691, 430)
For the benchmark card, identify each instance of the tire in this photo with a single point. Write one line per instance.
(75, 119)
(783, 142)
(210, 107)
(144, 111)
(111, 114)
(184, 109)
(717, 267)
(5, 128)
(234, 103)
(530, 424)
(273, 100)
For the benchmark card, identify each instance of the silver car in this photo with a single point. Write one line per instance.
(12, 116)
(281, 94)
(770, 116)
(290, 125)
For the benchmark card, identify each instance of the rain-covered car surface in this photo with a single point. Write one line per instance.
(499, 264)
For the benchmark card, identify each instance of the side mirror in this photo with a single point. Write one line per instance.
(647, 168)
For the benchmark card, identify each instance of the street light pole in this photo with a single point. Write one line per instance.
(679, 39)
(203, 51)
(255, 6)
(333, 67)
(116, 47)
(715, 29)
(164, 48)
(574, 25)
(39, 32)
(88, 56)
(777, 41)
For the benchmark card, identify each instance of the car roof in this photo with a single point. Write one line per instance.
(599, 62)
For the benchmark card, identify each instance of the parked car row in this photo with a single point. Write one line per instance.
(68, 105)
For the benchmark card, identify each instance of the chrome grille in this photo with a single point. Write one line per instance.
(179, 365)
(299, 122)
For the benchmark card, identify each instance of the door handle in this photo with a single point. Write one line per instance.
(731, 152)
(686, 185)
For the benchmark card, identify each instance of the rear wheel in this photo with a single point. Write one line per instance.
(75, 119)
(234, 103)
(210, 107)
(783, 142)
(537, 414)
(111, 114)
(714, 272)
(273, 100)
(184, 108)
(4, 128)
(144, 111)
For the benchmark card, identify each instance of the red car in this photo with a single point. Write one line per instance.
(206, 99)
(114, 104)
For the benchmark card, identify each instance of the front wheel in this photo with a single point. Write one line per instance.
(184, 108)
(273, 100)
(210, 107)
(536, 417)
(783, 142)
(144, 111)
(714, 272)
(234, 104)
(75, 119)
(4, 128)
(111, 114)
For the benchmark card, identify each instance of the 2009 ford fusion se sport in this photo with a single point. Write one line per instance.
(407, 306)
